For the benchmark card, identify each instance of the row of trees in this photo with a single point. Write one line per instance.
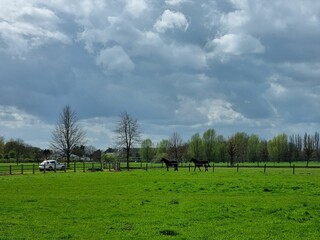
(240, 147)
(17, 149)
(68, 138)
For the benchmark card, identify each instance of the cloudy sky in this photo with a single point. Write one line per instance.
(176, 65)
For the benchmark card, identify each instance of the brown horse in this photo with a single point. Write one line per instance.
(170, 164)
(199, 164)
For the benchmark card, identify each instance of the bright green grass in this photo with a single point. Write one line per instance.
(157, 204)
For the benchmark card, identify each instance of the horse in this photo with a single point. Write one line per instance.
(170, 164)
(199, 164)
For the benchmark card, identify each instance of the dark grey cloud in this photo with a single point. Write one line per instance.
(176, 65)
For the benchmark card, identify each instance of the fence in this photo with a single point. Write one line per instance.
(15, 169)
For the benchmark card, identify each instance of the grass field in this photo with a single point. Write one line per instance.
(162, 205)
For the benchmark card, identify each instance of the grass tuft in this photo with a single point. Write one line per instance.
(168, 232)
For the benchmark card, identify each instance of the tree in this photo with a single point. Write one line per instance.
(237, 147)
(208, 141)
(162, 149)
(46, 153)
(295, 148)
(220, 149)
(252, 149)
(263, 151)
(15, 149)
(278, 148)
(127, 134)
(67, 134)
(308, 147)
(79, 151)
(147, 151)
(97, 155)
(1, 147)
(316, 145)
(195, 147)
(176, 147)
(231, 148)
(89, 150)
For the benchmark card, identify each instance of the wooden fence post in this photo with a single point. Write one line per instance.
(213, 167)
(84, 167)
(33, 168)
(146, 166)
(293, 169)
(238, 167)
(265, 168)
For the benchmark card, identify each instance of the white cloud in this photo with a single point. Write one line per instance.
(174, 2)
(11, 117)
(277, 87)
(218, 111)
(261, 17)
(18, 124)
(236, 44)
(115, 59)
(171, 20)
(136, 7)
(24, 27)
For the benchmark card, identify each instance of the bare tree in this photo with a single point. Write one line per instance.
(308, 146)
(127, 134)
(176, 148)
(89, 151)
(67, 134)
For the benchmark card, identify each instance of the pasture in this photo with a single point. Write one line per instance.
(162, 205)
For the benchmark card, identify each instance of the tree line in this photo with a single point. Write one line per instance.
(16, 150)
(68, 138)
(238, 148)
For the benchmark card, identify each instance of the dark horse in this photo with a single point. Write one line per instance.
(170, 164)
(199, 164)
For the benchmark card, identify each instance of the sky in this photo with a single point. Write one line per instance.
(175, 65)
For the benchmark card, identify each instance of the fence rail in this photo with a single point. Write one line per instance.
(15, 169)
